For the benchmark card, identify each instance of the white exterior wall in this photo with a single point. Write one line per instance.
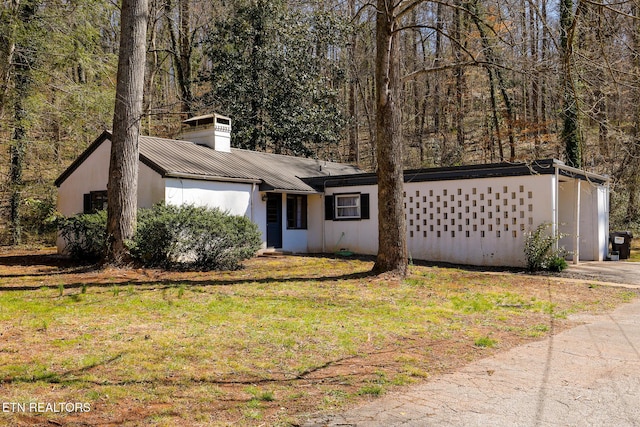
(150, 187)
(235, 198)
(293, 240)
(593, 218)
(259, 214)
(231, 197)
(603, 222)
(360, 236)
(91, 175)
(477, 222)
(303, 241)
(315, 223)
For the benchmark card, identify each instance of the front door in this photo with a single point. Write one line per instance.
(274, 220)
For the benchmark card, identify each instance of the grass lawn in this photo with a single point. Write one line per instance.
(265, 345)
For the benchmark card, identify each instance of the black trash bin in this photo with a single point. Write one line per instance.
(621, 243)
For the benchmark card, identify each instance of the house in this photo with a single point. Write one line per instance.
(203, 169)
(469, 214)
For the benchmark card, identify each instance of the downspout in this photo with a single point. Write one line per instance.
(323, 219)
(556, 207)
(576, 226)
(253, 190)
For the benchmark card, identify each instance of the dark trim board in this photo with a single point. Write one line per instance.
(493, 170)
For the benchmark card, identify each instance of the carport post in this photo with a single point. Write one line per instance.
(576, 225)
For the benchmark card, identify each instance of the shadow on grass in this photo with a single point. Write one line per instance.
(59, 378)
(73, 376)
(62, 265)
(171, 283)
(68, 266)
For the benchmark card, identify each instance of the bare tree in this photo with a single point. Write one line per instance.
(392, 239)
(123, 169)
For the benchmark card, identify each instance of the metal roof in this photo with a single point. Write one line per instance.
(183, 159)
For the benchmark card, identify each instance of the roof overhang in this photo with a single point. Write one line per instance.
(195, 177)
(492, 170)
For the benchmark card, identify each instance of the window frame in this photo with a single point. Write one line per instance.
(337, 207)
(92, 199)
(300, 205)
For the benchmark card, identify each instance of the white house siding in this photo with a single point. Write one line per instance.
(91, 175)
(315, 223)
(603, 222)
(477, 222)
(150, 186)
(360, 236)
(232, 197)
(235, 198)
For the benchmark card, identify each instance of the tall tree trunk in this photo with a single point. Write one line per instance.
(352, 103)
(17, 151)
(570, 127)
(437, 62)
(460, 87)
(181, 48)
(495, 116)
(497, 78)
(123, 169)
(7, 49)
(544, 52)
(631, 164)
(24, 50)
(534, 95)
(392, 239)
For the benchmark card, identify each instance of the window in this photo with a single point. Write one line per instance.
(347, 206)
(296, 212)
(95, 201)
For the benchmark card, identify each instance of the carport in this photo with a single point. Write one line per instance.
(582, 212)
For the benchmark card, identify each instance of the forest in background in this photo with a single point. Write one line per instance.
(482, 81)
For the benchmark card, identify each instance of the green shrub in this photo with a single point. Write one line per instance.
(557, 263)
(539, 250)
(86, 235)
(172, 237)
(39, 219)
(189, 237)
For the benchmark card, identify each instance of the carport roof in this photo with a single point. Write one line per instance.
(492, 170)
(183, 159)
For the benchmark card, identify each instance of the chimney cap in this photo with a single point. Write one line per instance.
(207, 119)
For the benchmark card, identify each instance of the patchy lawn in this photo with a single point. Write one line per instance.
(266, 345)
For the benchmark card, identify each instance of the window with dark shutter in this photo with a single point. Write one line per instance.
(94, 201)
(328, 208)
(347, 207)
